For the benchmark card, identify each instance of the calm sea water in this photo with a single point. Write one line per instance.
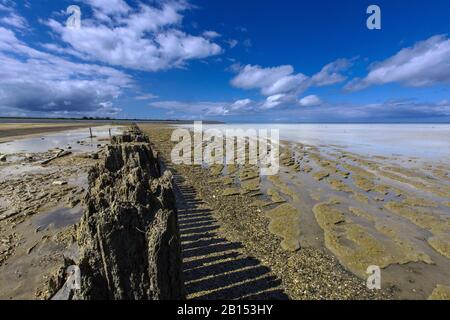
(428, 141)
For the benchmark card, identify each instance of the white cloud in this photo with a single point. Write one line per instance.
(270, 81)
(277, 100)
(310, 101)
(238, 107)
(387, 111)
(241, 105)
(207, 108)
(424, 64)
(331, 73)
(15, 21)
(281, 86)
(35, 82)
(211, 34)
(148, 38)
(12, 18)
(6, 6)
(200, 109)
(109, 7)
(282, 79)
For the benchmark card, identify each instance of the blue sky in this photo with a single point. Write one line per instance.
(246, 61)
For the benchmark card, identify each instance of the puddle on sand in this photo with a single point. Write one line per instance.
(38, 254)
(78, 141)
(9, 172)
(58, 218)
(81, 180)
(62, 140)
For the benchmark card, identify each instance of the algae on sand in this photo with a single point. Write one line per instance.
(441, 243)
(251, 185)
(319, 176)
(338, 185)
(230, 192)
(283, 187)
(355, 246)
(275, 196)
(363, 183)
(440, 293)
(285, 222)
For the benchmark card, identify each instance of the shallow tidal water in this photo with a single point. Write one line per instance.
(371, 193)
(62, 140)
(428, 141)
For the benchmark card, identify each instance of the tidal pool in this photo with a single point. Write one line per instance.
(78, 140)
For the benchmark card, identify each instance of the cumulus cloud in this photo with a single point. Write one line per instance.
(198, 109)
(426, 63)
(35, 82)
(209, 34)
(310, 101)
(238, 107)
(331, 73)
(209, 108)
(277, 100)
(270, 81)
(108, 7)
(282, 79)
(145, 38)
(282, 86)
(241, 105)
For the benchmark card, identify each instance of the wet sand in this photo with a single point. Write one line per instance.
(240, 205)
(40, 205)
(9, 131)
(313, 228)
(331, 211)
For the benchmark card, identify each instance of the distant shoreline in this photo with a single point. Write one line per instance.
(177, 121)
(101, 120)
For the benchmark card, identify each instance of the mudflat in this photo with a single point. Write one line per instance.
(43, 179)
(308, 232)
(21, 130)
(329, 214)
